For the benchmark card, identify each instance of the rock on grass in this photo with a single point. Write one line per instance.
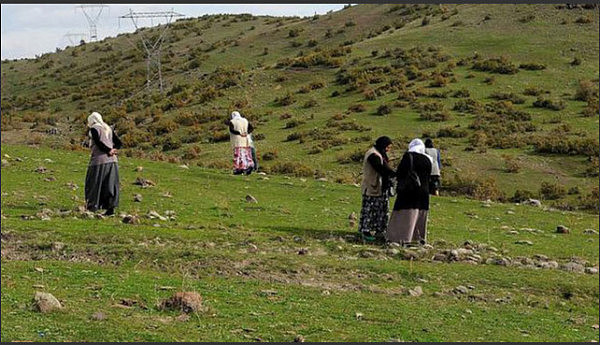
(45, 302)
(187, 302)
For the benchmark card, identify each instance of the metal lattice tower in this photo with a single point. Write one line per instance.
(75, 38)
(92, 14)
(152, 47)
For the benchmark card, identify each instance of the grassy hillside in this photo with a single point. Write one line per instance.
(283, 268)
(509, 92)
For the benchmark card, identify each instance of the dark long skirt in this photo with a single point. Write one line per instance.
(374, 215)
(102, 186)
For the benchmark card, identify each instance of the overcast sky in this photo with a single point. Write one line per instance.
(30, 30)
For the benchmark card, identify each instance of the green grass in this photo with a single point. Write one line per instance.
(231, 252)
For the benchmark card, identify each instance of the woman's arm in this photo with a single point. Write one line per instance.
(382, 169)
(98, 142)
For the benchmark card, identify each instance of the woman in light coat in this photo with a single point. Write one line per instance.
(239, 131)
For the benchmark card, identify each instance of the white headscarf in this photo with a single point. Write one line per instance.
(96, 118)
(235, 114)
(417, 146)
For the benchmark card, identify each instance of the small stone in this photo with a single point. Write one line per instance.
(358, 316)
(510, 212)
(590, 232)
(41, 170)
(533, 202)
(527, 242)
(392, 251)
(591, 270)
(144, 183)
(460, 290)
(513, 232)
(139, 169)
(573, 267)
(137, 198)
(130, 219)
(492, 249)
(57, 246)
(303, 251)
(154, 214)
(299, 339)
(183, 166)
(5, 163)
(45, 302)
(561, 229)
(416, 291)
(352, 216)
(251, 199)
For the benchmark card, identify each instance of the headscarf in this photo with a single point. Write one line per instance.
(417, 146)
(428, 143)
(96, 118)
(235, 115)
(381, 144)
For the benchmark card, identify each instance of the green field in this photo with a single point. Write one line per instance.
(244, 259)
(509, 93)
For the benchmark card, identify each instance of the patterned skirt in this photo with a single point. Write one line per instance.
(242, 158)
(374, 214)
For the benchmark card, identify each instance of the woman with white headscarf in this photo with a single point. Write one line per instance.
(239, 132)
(102, 178)
(408, 223)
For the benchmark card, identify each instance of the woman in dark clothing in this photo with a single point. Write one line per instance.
(375, 197)
(408, 223)
(102, 178)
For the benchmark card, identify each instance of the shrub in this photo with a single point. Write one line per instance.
(592, 108)
(350, 23)
(270, 155)
(435, 116)
(285, 116)
(292, 168)
(312, 43)
(499, 65)
(549, 104)
(335, 93)
(586, 91)
(564, 145)
(439, 81)
(451, 132)
(293, 123)
(384, 109)
(533, 91)
(522, 195)
(532, 66)
(285, 100)
(462, 93)
(426, 20)
(310, 103)
(584, 20)
(357, 108)
(295, 136)
(576, 61)
(591, 200)
(527, 19)
(511, 165)
(552, 191)
(294, 32)
(468, 105)
(355, 156)
(219, 136)
(474, 186)
(509, 96)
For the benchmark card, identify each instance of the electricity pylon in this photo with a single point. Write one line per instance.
(152, 47)
(92, 14)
